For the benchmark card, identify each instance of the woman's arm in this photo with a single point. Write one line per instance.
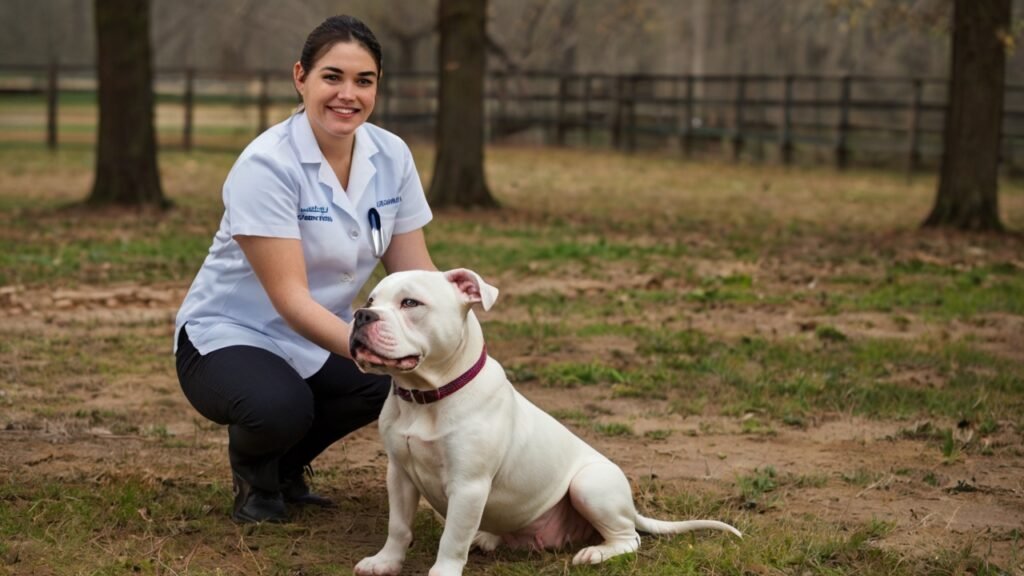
(281, 268)
(408, 252)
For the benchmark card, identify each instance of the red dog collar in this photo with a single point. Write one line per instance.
(429, 396)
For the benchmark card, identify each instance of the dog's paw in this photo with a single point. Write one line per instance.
(589, 555)
(598, 554)
(486, 542)
(445, 569)
(378, 566)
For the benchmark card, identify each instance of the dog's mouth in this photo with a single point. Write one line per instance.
(364, 355)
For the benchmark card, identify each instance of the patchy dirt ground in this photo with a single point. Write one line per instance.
(839, 468)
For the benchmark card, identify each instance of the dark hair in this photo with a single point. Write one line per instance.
(337, 29)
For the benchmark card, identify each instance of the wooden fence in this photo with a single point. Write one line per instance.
(843, 120)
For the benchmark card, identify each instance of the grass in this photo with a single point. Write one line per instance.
(681, 290)
(791, 378)
(172, 531)
(570, 375)
(753, 487)
(944, 292)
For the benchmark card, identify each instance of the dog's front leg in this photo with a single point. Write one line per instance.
(403, 498)
(466, 502)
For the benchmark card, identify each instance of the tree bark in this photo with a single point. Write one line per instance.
(459, 167)
(967, 197)
(126, 164)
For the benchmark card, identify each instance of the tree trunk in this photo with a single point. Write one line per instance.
(459, 167)
(126, 165)
(967, 198)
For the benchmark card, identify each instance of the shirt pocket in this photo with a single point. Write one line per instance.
(387, 222)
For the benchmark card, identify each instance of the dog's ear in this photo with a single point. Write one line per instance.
(472, 287)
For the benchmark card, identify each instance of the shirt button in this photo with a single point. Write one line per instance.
(346, 278)
(354, 233)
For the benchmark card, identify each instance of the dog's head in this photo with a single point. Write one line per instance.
(416, 318)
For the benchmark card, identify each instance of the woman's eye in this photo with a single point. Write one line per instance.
(410, 303)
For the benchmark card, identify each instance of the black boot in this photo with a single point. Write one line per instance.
(255, 505)
(295, 489)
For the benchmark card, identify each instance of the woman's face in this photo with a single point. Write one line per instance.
(340, 91)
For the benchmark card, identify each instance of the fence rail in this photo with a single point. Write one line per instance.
(838, 119)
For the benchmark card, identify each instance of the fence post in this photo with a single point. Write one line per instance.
(818, 124)
(842, 151)
(52, 86)
(737, 135)
(264, 102)
(631, 96)
(586, 108)
(686, 135)
(786, 137)
(913, 135)
(563, 95)
(188, 101)
(616, 116)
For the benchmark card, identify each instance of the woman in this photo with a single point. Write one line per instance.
(311, 205)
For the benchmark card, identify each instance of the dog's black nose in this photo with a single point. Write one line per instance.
(364, 317)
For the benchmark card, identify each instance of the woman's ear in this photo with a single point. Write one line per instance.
(299, 77)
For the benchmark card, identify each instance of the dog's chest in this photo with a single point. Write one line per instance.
(421, 451)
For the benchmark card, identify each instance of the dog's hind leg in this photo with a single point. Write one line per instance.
(486, 542)
(601, 494)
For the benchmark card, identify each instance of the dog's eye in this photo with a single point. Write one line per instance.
(369, 302)
(410, 303)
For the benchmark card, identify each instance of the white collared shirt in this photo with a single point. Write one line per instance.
(281, 186)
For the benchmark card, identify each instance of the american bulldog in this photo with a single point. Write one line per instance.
(496, 467)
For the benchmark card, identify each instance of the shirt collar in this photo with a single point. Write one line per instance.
(305, 142)
(309, 151)
(361, 171)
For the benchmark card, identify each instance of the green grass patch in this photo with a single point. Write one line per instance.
(787, 378)
(860, 477)
(613, 429)
(754, 486)
(941, 292)
(732, 288)
(570, 375)
(539, 249)
(574, 416)
(49, 360)
(658, 434)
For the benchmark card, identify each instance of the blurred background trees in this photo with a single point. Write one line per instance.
(967, 197)
(458, 178)
(613, 36)
(972, 45)
(126, 164)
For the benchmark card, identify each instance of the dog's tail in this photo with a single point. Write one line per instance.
(652, 526)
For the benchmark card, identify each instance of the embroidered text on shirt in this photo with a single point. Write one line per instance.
(315, 214)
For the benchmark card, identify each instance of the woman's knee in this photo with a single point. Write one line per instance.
(279, 419)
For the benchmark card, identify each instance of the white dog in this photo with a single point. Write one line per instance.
(456, 432)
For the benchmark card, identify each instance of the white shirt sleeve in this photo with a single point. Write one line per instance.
(414, 212)
(262, 199)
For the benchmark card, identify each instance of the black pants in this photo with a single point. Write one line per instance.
(277, 422)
